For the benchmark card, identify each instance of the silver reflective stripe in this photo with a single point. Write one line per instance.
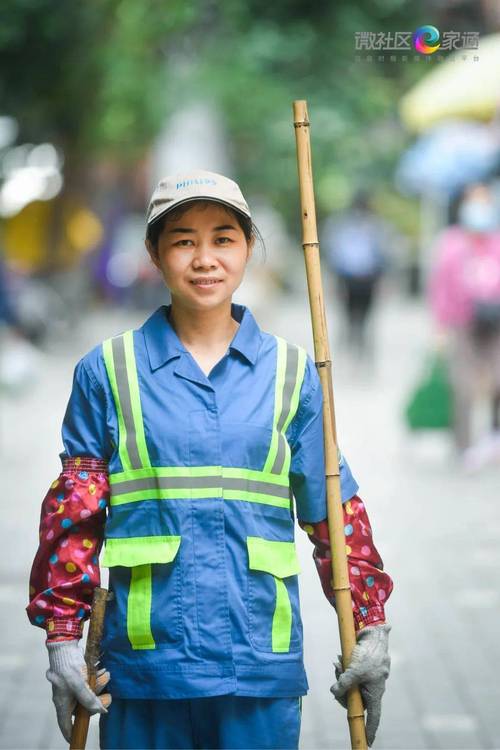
(292, 359)
(251, 485)
(189, 482)
(122, 382)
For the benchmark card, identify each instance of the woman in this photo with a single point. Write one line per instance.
(195, 431)
(464, 289)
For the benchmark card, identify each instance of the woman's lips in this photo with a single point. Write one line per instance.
(206, 282)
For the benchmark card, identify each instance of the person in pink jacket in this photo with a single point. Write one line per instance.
(465, 301)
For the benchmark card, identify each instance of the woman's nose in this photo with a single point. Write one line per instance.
(204, 255)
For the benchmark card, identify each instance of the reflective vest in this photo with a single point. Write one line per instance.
(157, 570)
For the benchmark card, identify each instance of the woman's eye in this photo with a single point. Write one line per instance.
(181, 241)
(225, 238)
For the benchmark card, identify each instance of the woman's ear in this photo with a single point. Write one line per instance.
(250, 247)
(152, 253)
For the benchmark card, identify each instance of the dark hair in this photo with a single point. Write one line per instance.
(155, 229)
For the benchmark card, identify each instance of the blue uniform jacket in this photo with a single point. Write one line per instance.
(205, 582)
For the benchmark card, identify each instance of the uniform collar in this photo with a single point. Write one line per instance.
(162, 342)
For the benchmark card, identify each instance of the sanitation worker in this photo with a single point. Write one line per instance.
(185, 443)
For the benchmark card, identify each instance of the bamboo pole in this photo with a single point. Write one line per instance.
(92, 650)
(310, 244)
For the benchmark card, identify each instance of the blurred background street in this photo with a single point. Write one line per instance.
(98, 102)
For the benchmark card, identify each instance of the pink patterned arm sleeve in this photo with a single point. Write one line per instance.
(370, 585)
(65, 569)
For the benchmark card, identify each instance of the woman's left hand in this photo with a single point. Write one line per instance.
(369, 668)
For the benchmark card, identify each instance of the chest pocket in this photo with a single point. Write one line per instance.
(273, 595)
(145, 578)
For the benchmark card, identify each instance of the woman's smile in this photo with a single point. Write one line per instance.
(205, 285)
(205, 282)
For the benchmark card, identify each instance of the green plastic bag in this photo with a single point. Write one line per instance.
(430, 405)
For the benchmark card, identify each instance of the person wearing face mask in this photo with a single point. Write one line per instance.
(464, 289)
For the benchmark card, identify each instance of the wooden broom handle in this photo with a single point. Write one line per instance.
(341, 587)
(92, 651)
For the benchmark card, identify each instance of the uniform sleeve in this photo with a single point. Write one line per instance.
(307, 467)
(370, 585)
(84, 429)
(65, 569)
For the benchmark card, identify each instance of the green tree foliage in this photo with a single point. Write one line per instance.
(100, 77)
(90, 76)
(264, 55)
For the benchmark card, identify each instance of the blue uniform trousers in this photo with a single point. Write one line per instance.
(223, 722)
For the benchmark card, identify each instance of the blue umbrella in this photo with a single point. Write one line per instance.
(448, 157)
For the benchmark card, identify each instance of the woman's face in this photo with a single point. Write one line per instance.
(206, 243)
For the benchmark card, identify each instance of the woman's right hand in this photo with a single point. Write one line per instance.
(68, 675)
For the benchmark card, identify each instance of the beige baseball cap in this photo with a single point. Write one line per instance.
(175, 189)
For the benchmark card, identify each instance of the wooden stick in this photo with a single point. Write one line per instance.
(343, 602)
(92, 651)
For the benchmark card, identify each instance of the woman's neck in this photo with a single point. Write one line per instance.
(203, 330)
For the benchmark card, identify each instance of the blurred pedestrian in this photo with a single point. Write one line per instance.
(464, 291)
(7, 311)
(19, 360)
(356, 253)
(196, 430)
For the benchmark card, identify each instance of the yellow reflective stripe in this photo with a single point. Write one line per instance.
(137, 550)
(119, 358)
(290, 370)
(255, 474)
(199, 494)
(256, 497)
(198, 471)
(122, 430)
(278, 400)
(198, 482)
(271, 556)
(294, 404)
(177, 494)
(280, 560)
(139, 608)
(282, 618)
(294, 401)
(135, 399)
(165, 471)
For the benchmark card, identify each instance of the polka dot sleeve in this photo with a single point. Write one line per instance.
(370, 585)
(65, 569)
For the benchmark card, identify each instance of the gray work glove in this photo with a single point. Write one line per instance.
(369, 668)
(68, 675)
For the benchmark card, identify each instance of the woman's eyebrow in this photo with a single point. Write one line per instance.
(182, 230)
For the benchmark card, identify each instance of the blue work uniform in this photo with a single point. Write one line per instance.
(199, 536)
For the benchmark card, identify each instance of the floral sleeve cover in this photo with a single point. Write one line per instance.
(370, 585)
(65, 569)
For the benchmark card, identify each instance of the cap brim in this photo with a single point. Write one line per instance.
(196, 198)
